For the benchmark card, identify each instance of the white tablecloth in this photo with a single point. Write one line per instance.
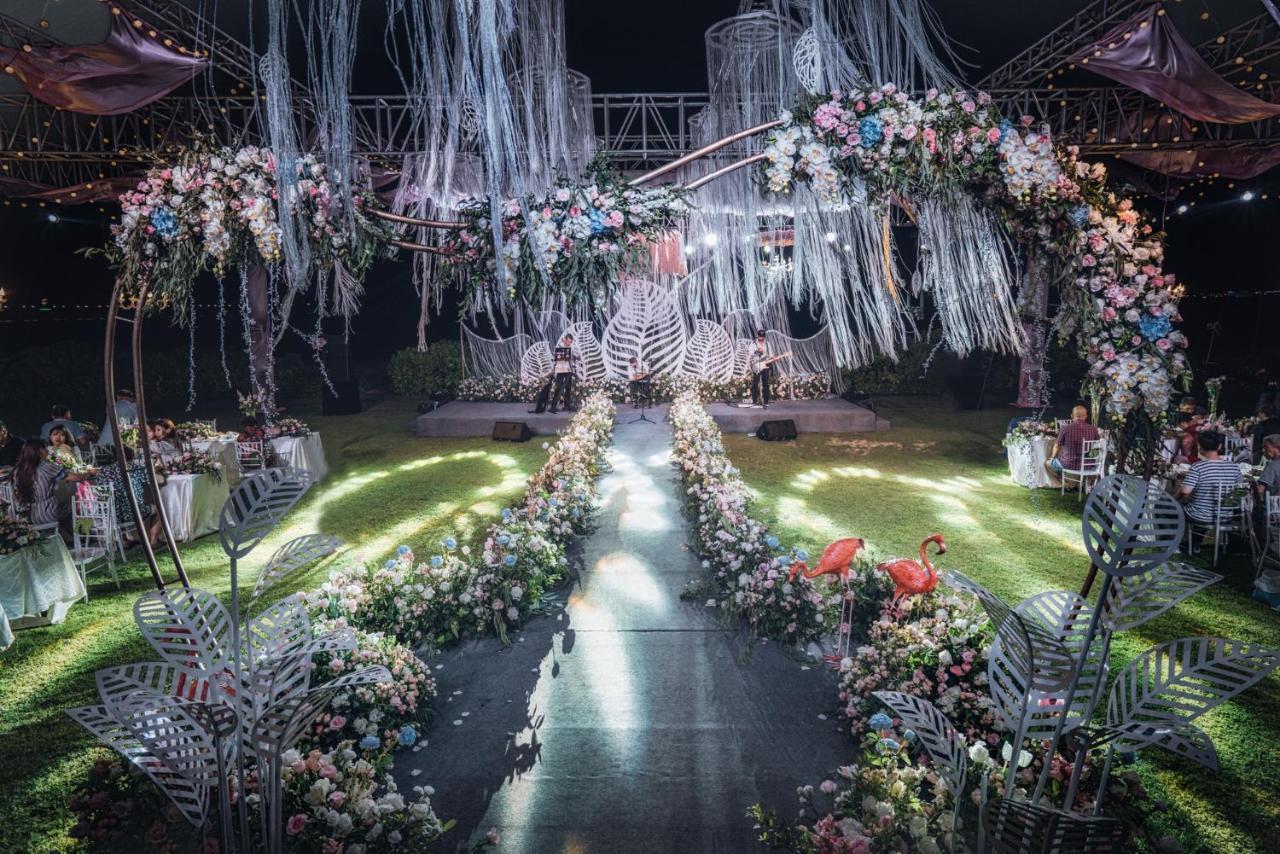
(222, 450)
(302, 452)
(35, 582)
(192, 502)
(1026, 463)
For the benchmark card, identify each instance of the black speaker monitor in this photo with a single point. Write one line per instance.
(511, 431)
(777, 431)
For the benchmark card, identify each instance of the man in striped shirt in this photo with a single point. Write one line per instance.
(1209, 479)
(1068, 448)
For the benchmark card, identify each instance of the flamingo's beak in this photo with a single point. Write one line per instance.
(795, 570)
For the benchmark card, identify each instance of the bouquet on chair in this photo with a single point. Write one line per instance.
(15, 534)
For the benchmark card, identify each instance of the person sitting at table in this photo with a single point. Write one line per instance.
(1268, 425)
(60, 415)
(126, 413)
(1188, 450)
(1209, 477)
(1267, 484)
(62, 449)
(10, 447)
(161, 433)
(110, 476)
(35, 485)
(1068, 448)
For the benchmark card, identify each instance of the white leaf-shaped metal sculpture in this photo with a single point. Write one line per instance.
(742, 356)
(1038, 701)
(277, 655)
(186, 625)
(1018, 827)
(535, 364)
(173, 730)
(1135, 599)
(1131, 526)
(191, 799)
(648, 325)
(280, 726)
(806, 57)
(1180, 680)
(708, 354)
(296, 555)
(546, 326)
(590, 364)
(1181, 737)
(172, 680)
(256, 505)
(935, 733)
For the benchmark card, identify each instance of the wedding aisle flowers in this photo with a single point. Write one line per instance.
(749, 566)
(1123, 307)
(460, 591)
(664, 388)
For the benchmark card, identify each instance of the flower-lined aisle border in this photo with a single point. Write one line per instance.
(455, 592)
(664, 388)
(1122, 307)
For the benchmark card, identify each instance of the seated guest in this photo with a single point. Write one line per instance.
(1268, 425)
(126, 414)
(1187, 406)
(1268, 483)
(1188, 450)
(62, 449)
(161, 433)
(35, 484)
(1209, 477)
(109, 475)
(10, 447)
(1068, 448)
(60, 415)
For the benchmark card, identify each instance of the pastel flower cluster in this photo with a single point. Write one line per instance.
(579, 237)
(15, 534)
(188, 462)
(665, 387)
(1123, 307)
(287, 427)
(749, 567)
(458, 592)
(1025, 431)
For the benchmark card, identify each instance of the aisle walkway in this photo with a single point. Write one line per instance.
(629, 721)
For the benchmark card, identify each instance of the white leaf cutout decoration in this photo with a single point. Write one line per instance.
(1131, 526)
(1133, 600)
(649, 325)
(590, 364)
(536, 363)
(742, 356)
(708, 354)
(806, 57)
(936, 734)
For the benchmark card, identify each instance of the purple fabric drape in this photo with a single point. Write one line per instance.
(1229, 162)
(1158, 61)
(127, 71)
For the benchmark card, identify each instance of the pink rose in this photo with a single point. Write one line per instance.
(296, 823)
(1088, 261)
(993, 135)
(1164, 343)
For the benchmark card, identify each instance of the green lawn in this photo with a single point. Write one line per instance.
(385, 488)
(944, 471)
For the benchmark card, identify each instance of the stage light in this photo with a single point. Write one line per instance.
(53, 217)
(1248, 195)
(688, 250)
(831, 237)
(1182, 209)
(710, 239)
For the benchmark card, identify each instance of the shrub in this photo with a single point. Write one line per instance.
(413, 372)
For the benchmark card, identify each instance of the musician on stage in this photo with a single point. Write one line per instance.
(761, 371)
(562, 373)
(639, 381)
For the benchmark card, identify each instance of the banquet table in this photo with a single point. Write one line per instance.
(38, 584)
(223, 450)
(1026, 463)
(302, 452)
(192, 502)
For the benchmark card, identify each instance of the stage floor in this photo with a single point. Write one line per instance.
(467, 418)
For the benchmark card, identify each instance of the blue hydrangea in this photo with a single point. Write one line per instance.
(576, 512)
(1079, 215)
(771, 541)
(784, 560)
(870, 131)
(509, 560)
(449, 543)
(880, 721)
(437, 561)
(888, 745)
(1154, 326)
(908, 735)
(402, 550)
(1006, 128)
(390, 564)
(370, 742)
(553, 502)
(506, 513)
(801, 554)
(503, 539)
(165, 223)
(597, 221)
(408, 735)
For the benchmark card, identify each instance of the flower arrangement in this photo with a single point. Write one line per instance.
(130, 436)
(89, 432)
(189, 463)
(665, 387)
(1123, 307)
(189, 430)
(580, 237)
(288, 427)
(15, 534)
(460, 591)
(254, 402)
(748, 565)
(214, 208)
(1213, 388)
(1025, 431)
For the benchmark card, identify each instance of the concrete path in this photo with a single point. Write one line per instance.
(629, 721)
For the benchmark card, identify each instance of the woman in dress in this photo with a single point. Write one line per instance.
(110, 476)
(62, 447)
(35, 485)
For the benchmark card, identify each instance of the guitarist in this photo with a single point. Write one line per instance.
(562, 362)
(761, 371)
(639, 381)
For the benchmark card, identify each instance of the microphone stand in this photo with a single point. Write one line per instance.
(644, 401)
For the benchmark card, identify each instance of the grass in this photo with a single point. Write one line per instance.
(943, 471)
(385, 488)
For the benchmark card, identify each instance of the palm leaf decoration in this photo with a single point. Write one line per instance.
(936, 734)
(708, 354)
(256, 505)
(648, 325)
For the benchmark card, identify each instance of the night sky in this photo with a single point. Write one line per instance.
(1221, 244)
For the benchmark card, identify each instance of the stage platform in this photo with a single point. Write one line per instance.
(466, 418)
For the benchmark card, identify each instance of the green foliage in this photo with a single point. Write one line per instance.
(905, 376)
(417, 373)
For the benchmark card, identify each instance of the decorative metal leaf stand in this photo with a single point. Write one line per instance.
(1048, 669)
(228, 689)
